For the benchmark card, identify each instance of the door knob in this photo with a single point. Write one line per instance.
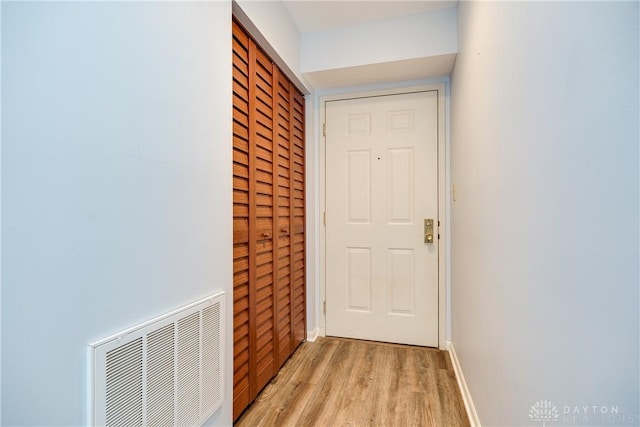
(428, 231)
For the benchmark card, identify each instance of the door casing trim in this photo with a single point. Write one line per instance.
(442, 192)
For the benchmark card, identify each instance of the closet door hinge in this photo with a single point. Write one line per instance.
(324, 129)
(324, 307)
(324, 217)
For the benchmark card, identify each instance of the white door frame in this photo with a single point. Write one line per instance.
(442, 192)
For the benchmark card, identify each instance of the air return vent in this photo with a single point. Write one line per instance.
(164, 372)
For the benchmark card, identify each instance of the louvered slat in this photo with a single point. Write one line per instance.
(160, 371)
(124, 385)
(212, 375)
(188, 397)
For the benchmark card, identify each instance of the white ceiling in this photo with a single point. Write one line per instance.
(319, 15)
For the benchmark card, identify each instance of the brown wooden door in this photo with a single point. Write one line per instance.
(261, 176)
(268, 196)
(241, 311)
(298, 219)
(283, 217)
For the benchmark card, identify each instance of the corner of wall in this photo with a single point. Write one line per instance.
(462, 385)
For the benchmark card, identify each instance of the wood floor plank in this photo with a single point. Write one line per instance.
(324, 403)
(342, 382)
(357, 385)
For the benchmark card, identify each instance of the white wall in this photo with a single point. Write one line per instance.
(419, 36)
(116, 163)
(545, 223)
(0, 216)
(274, 23)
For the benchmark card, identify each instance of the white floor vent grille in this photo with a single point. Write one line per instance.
(165, 372)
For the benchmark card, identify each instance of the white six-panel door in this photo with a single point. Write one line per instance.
(381, 184)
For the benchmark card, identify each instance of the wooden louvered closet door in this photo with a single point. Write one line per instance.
(298, 269)
(268, 197)
(283, 217)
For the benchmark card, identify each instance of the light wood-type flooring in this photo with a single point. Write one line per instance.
(338, 382)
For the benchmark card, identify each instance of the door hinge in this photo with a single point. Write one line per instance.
(324, 307)
(324, 217)
(324, 129)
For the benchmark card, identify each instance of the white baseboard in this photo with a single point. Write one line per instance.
(464, 390)
(313, 335)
